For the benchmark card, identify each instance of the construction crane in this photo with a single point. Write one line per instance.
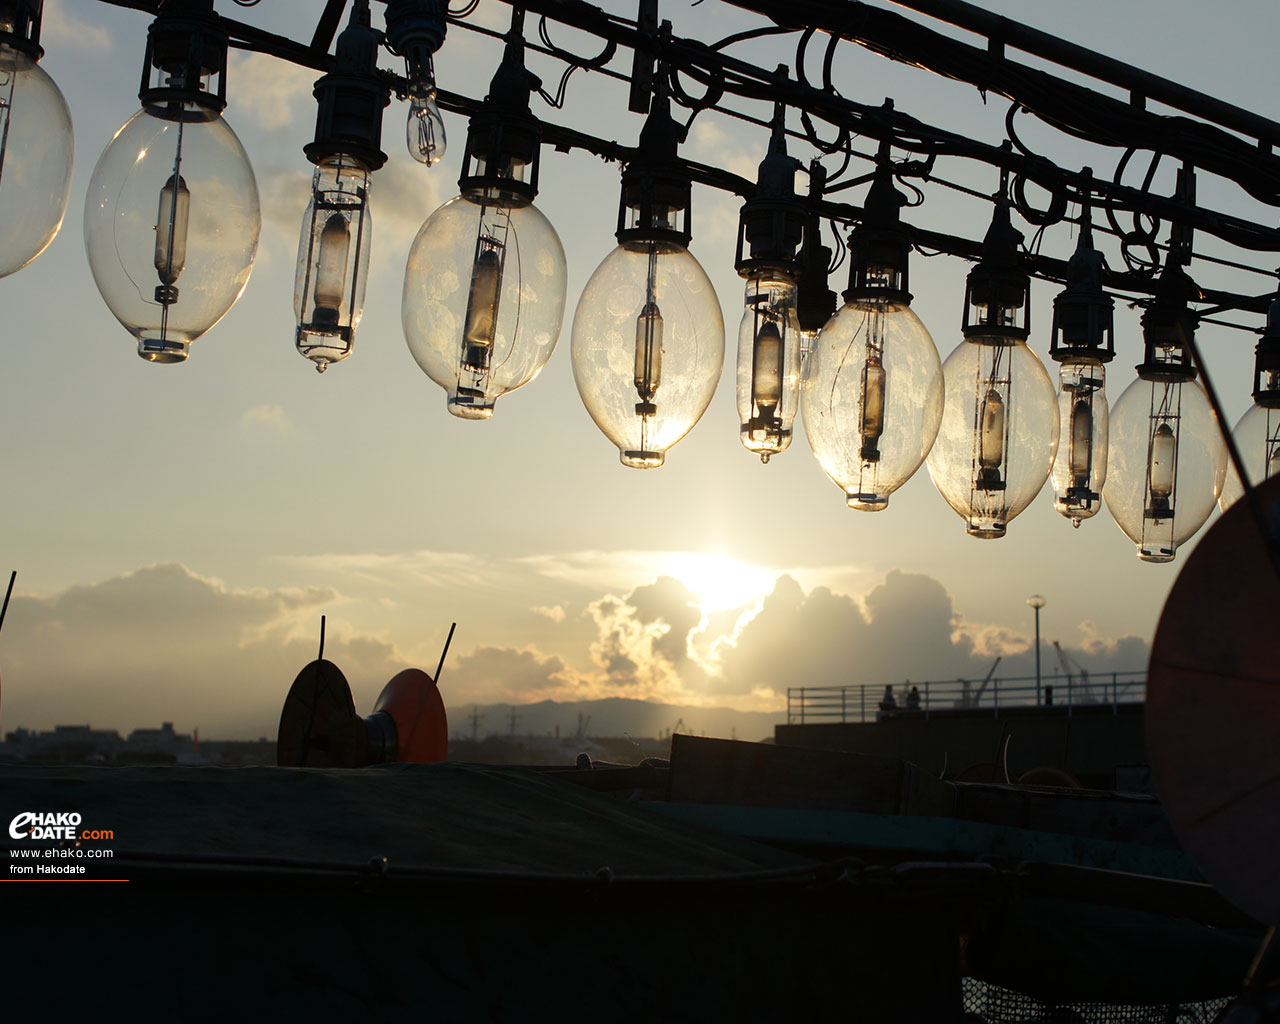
(969, 699)
(1067, 661)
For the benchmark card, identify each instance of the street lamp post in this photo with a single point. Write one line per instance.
(1037, 602)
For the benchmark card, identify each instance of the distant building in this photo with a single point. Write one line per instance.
(74, 744)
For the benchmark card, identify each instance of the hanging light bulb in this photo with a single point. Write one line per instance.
(772, 224)
(36, 142)
(424, 129)
(416, 30)
(873, 385)
(999, 429)
(1168, 460)
(171, 218)
(1257, 435)
(337, 229)
(484, 287)
(1082, 343)
(648, 335)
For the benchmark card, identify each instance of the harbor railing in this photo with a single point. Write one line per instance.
(870, 702)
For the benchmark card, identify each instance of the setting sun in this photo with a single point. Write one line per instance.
(718, 581)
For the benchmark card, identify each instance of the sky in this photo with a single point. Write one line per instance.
(179, 530)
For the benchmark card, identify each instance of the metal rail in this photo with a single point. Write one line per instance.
(1210, 140)
(814, 705)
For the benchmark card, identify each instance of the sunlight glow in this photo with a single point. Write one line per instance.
(718, 581)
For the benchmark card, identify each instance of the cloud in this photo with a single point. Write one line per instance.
(269, 92)
(404, 194)
(507, 674)
(555, 613)
(656, 641)
(668, 602)
(711, 142)
(269, 416)
(164, 643)
(284, 195)
(403, 569)
(62, 30)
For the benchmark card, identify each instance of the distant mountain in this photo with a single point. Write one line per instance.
(612, 716)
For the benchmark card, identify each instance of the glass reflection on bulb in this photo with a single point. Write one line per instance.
(1080, 468)
(648, 347)
(484, 293)
(333, 261)
(999, 432)
(873, 399)
(768, 386)
(36, 151)
(1167, 464)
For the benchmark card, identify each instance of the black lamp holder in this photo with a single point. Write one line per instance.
(771, 223)
(815, 300)
(879, 247)
(1083, 314)
(415, 31)
(655, 179)
(1266, 359)
(1168, 326)
(351, 97)
(20, 26)
(999, 281)
(504, 131)
(185, 42)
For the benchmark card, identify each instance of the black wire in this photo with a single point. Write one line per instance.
(755, 33)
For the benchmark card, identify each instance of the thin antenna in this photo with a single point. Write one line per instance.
(12, 576)
(320, 656)
(447, 641)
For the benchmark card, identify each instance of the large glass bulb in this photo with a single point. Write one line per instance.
(36, 150)
(484, 294)
(1080, 468)
(999, 432)
(1257, 438)
(872, 399)
(171, 226)
(648, 347)
(1167, 464)
(333, 261)
(768, 364)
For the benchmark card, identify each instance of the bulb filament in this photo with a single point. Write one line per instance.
(171, 231)
(482, 305)
(331, 272)
(766, 369)
(1164, 451)
(872, 426)
(991, 441)
(1081, 454)
(648, 368)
